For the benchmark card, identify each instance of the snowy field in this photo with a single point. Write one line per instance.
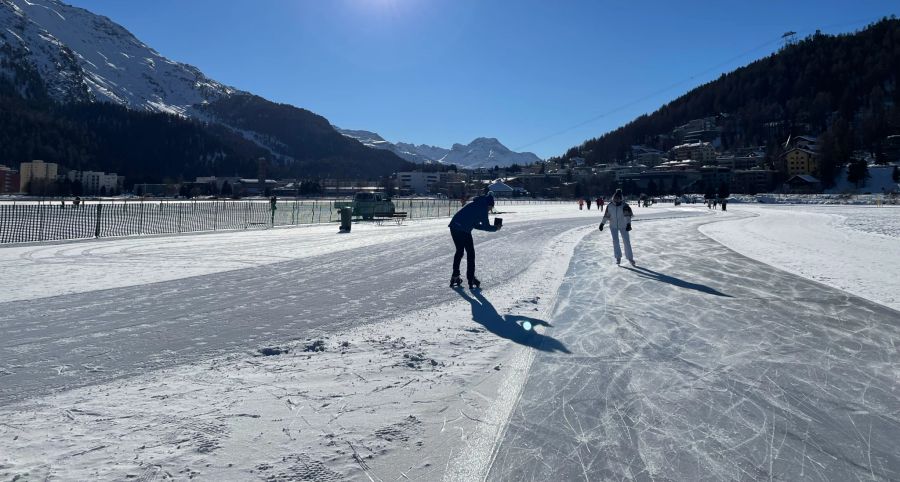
(852, 248)
(301, 354)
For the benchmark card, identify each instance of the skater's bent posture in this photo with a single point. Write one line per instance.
(618, 214)
(472, 216)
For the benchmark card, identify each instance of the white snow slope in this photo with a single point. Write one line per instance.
(86, 57)
(880, 180)
(852, 248)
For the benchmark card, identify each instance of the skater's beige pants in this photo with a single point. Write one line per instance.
(626, 239)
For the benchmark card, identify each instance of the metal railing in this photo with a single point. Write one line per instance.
(30, 221)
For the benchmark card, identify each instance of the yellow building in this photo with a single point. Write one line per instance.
(799, 161)
(36, 171)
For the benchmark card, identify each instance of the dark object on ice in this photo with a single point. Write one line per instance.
(273, 350)
(498, 223)
(315, 346)
(346, 219)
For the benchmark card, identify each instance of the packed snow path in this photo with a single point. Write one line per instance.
(702, 364)
(79, 339)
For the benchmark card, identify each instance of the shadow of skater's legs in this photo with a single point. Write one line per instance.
(508, 327)
(664, 278)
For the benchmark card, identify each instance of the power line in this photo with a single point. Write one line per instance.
(680, 82)
(647, 96)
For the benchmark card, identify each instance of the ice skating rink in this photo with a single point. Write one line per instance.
(299, 352)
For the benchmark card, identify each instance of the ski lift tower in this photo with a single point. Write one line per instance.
(789, 38)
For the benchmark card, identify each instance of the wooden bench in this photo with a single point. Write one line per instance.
(398, 217)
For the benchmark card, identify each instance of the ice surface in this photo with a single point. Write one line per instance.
(309, 385)
(701, 364)
(297, 353)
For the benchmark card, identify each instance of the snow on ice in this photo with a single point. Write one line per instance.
(383, 373)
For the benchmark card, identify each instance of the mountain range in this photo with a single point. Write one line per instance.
(73, 85)
(484, 152)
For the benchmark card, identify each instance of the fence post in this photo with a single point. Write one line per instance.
(216, 216)
(41, 217)
(179, 217)
(97, 225)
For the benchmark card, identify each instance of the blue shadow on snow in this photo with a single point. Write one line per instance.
(509, 326)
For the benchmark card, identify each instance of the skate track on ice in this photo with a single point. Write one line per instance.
(79, 339)
(702, 364)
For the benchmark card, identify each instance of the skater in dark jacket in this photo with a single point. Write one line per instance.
(618, 214)
(472, 216)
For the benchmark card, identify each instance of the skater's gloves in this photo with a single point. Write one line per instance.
(601, 226)
(628, 227)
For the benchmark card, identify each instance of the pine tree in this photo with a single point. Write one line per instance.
(857, 172)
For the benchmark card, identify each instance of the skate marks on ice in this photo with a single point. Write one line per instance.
(328, 408)
(851, 248)
(783, 379)
(78, 339)
(399, 399)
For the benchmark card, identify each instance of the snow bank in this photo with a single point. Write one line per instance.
(880, 180)
(852, 248)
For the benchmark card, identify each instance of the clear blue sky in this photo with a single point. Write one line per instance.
(445, 71)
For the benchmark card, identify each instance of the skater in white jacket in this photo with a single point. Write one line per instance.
(618, 214)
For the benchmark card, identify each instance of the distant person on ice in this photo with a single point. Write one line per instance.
(472, 216)
(618, 214)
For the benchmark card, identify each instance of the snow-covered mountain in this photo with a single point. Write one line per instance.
(487, 152)
(49, 49)
(482, 152)
(81, 56)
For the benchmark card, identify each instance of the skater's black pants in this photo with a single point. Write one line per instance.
(463, 241)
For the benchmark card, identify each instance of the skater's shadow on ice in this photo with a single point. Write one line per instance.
(509, 326)
(656, 276)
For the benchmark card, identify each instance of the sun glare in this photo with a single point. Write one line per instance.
(384, 8)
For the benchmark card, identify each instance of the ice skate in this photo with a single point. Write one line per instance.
(474, 284)
(455, 282)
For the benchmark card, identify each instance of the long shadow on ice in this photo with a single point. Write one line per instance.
(509, 326)
(656, 276)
